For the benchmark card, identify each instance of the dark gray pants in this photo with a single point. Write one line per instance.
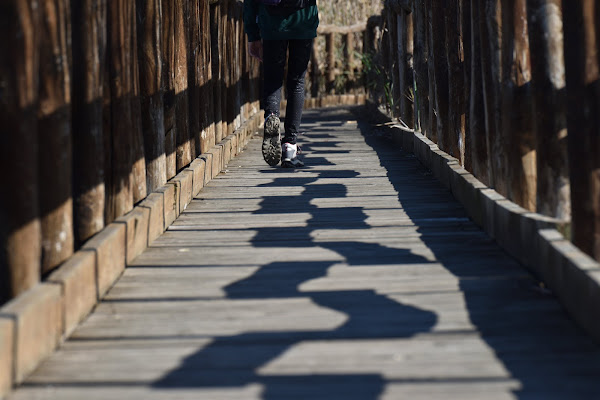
(274, 56)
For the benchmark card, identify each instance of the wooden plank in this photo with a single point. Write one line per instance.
(301, 286)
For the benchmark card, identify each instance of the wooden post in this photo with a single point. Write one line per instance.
(89, 69)
(184, 156)
(421, 68)
(432, 123)
(467, 60)
(120, 192)
(20, 231)
(169, 99)
(393, 67)
(478, 138)
(407, 99)
(548, 87)
(349, 57)
(455, 132)
(194, 75)
(149, 27)
(491, 40)
(315, 74)
(206, 86)
(516, 124)
(223, 67)
(329, 49)
(139, 159)
(216, 38)
(54, 134)
(440, 62)
(581, 22)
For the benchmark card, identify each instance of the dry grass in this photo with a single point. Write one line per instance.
(347, 12)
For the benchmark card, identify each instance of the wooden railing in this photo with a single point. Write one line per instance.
(510, 90)
(101, 102)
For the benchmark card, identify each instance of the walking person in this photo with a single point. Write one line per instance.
(275, 27)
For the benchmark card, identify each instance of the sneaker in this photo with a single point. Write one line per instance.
(290, 156)
(271, 149)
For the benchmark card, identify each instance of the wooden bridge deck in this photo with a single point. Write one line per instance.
(358, 277)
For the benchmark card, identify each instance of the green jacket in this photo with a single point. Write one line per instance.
(259, 24)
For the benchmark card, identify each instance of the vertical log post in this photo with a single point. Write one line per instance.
(478, 138)
(490, 20)
(20, 230)
(440, 63)
(433, 111)
(581, 21)
(329, 49)
(216, 39)
(315, 74)
(169, 99)
(548, 87)
(120, 192)
(54, 134)
(149, 26)
(349, 57)
(517, 133)
(455, 75)
(421, 68)
(467, 59)
(194, 75)
(138, 156)
(184, 155)
(89, 68)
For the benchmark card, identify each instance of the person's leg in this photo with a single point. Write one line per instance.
(299, 56)
(274, 54)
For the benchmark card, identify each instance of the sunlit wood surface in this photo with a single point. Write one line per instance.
(357, 277)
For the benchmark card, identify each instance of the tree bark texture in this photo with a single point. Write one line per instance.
(478, 138)
(89, 70)
(467, 60)
(149, 28)
(54, 134)
(216, 39)
(207, 122)
(433, 111)
(121, 142)
(184, 145)
(516, 124)
(169, 98)
(548, 87)
(139, 158)
(490, 30)
(421, 68)
(20, 229)
(455, 132)
(581, 21)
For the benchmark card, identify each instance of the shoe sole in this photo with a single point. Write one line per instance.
(271, 146)
(292, 164)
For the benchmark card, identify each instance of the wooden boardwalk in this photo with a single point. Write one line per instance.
(357, 277)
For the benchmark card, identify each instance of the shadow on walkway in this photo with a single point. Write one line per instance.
(515, 320)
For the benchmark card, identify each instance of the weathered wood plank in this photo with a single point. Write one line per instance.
(303, 287)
